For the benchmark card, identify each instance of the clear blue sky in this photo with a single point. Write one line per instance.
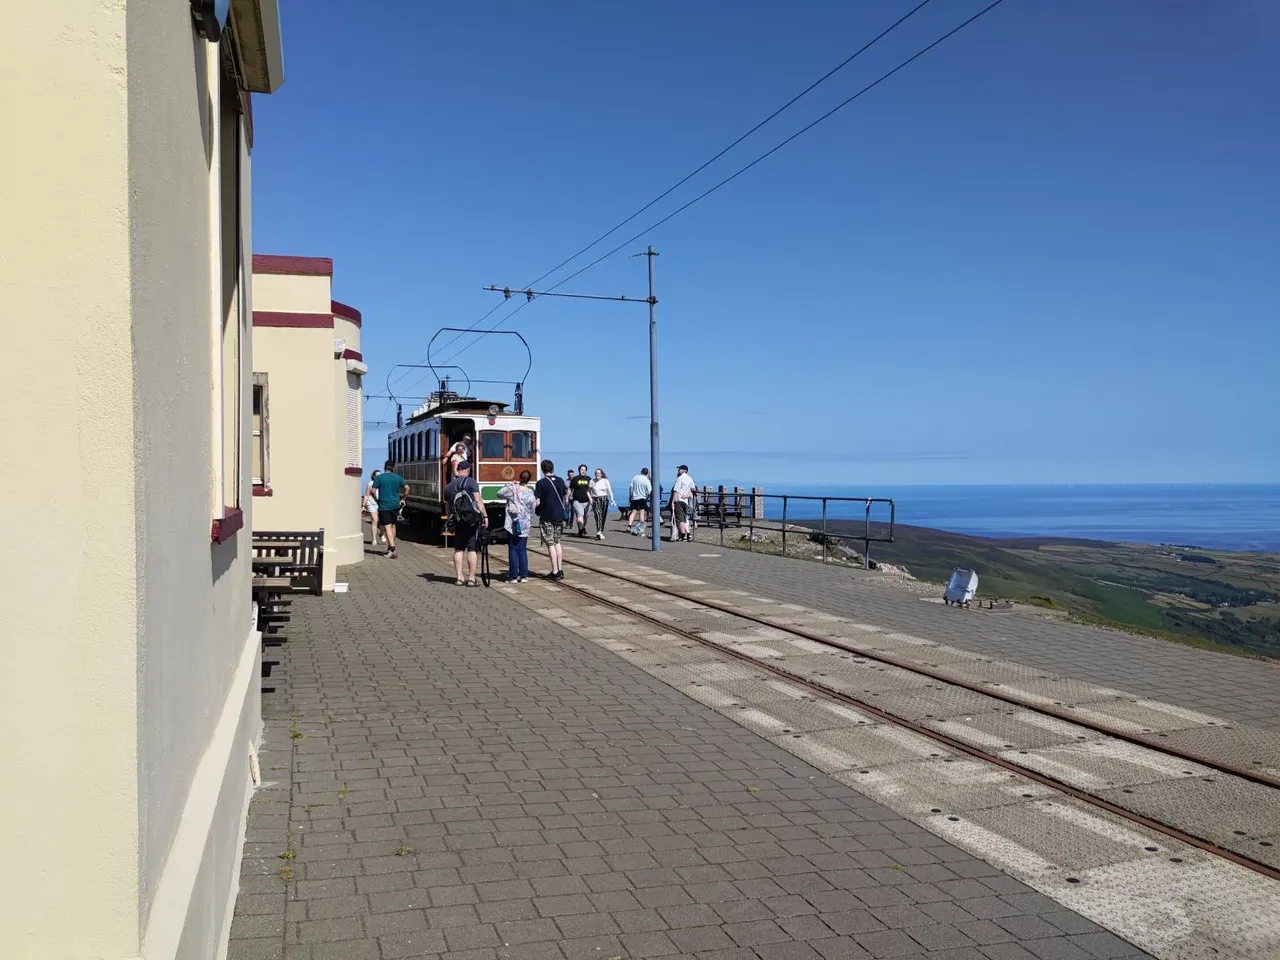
(1047, 251)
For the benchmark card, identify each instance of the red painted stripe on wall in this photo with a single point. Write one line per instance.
(277, 318)
(295, 266)
(346, 312)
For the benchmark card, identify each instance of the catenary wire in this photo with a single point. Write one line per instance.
(681, 182)
(733, 176)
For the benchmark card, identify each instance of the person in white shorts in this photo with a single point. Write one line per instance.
(370, 504)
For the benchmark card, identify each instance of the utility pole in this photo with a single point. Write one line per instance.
(653, 406)
(652, 300)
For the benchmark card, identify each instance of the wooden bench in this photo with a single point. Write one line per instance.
(297, 555)
(719, 507)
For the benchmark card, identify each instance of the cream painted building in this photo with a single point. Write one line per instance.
(307, 406)
(129, 690)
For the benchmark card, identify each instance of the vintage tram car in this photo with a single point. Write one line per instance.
(503, 444)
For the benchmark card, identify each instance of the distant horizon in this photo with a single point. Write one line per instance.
(703, 468)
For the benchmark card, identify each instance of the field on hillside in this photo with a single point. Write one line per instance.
(1185, 593)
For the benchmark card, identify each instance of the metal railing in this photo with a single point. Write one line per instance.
(864, 520)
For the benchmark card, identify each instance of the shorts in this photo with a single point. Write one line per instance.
(465, 537)
(580, 510)
(552, 531)
(639, 504)
(387, 516)
(371, 508)
(681, 508)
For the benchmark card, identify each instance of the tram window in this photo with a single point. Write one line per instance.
(493, 445)
(417, 447)
(522, 445)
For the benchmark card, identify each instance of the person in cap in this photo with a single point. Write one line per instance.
(682, 495)
(466, 509)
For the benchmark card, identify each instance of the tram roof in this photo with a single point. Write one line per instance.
(464, 405)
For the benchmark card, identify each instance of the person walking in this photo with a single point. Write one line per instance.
(550, 498)
(389, 490)
(369, 504)
(601, 497)
(580, 493)
(457, 453)
(638, 493)
(466, 508)
(683, 492)
(520, 502)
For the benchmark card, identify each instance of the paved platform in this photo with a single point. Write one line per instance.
(446, 774)
(1238, 689)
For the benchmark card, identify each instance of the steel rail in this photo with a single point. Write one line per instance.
(1244, 773)
(1167, 830)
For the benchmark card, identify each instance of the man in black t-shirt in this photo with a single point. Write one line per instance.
(466, 509)
(580, 495)
(548, 502)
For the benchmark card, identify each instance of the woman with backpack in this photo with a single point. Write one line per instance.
(519, 520)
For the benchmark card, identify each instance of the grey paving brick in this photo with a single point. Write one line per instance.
(1056, 948)
(755, 932)
(840, 948)
(527, 931)
(652, 944)
(563, 805)
(256, 949)
(1028, 927)
(702, 939)
(1104, 945)
(790, 950)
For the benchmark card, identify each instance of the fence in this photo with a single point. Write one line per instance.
(829, 520)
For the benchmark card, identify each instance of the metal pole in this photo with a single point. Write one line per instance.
(824, 529)
(866, 543)
(653, 406)
(784, 525)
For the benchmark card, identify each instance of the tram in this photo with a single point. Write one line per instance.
(503, 443)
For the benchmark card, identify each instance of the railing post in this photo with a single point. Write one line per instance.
(751, 527)
(824, 529)
(866, 543)
(784, 524)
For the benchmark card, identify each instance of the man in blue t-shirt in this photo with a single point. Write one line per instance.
(389, 487)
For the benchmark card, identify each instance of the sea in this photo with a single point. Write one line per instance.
(1215, 516)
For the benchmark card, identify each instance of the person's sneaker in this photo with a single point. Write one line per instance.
(522, 580)
(391, 555)
(600, 535)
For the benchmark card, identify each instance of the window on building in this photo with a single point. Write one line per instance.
(261, 420)
(228, 171)
(355, 431)
(493, 445)
(522, 447)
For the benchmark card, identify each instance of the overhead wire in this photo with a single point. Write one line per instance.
(733, 176)
(689, 176)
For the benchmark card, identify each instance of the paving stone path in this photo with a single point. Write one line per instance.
(446, 775)
(1242, 690)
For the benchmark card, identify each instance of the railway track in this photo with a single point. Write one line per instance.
(1219, 784)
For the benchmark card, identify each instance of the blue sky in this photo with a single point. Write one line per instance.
(1044, 252)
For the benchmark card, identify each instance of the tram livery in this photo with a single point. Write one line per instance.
(503, 444)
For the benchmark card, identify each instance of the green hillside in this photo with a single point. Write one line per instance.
(1226, 599)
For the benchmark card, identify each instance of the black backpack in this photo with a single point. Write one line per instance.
(465, 510)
